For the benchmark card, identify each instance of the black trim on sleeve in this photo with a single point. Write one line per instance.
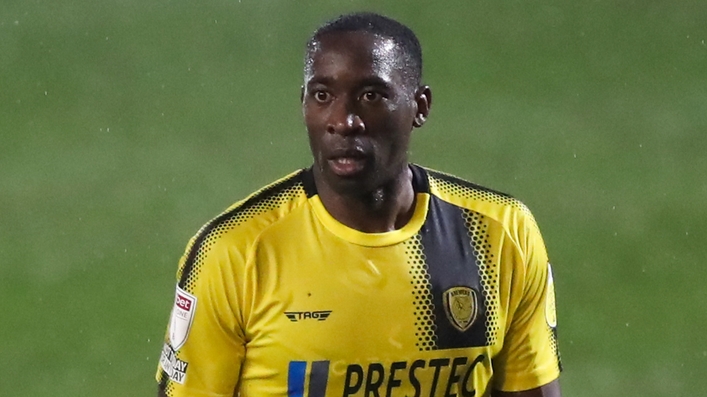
(465, 183)
(264, 194)
(162, 386)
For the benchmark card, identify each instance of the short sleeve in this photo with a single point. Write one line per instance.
(204, 345)
(529, 357)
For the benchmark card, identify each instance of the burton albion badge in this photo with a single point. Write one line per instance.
(461, 307)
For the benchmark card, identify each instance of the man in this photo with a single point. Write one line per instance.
(364, 275)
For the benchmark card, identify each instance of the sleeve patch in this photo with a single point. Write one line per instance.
(182, 318)
(550, 312)
(175, 368)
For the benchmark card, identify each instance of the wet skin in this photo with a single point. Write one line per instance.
(360, 110)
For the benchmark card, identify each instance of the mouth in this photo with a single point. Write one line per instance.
(347, 163)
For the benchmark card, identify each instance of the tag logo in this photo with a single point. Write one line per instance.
(550, 312)
(182, 317)
(460, 306)
(298, 316)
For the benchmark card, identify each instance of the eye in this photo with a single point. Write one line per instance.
(371, 96)
(321, 96)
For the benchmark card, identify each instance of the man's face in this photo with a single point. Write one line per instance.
(359, 111)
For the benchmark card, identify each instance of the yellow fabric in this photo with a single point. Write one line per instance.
(289, 302)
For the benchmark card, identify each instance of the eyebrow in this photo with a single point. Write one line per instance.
(320, 80)
(370, 81)
(375, 81)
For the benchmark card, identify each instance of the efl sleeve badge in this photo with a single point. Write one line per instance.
(182, 318)
(550, 313)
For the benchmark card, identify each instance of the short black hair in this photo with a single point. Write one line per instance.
(378, 25)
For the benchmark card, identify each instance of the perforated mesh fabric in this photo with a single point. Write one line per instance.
(477, 227)
(422, 295)
(169, 389)
(267, 199)
(555, 348)
(459, 187)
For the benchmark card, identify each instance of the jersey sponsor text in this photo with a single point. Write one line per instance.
(175, 368)
(316, 315)
(445, 376)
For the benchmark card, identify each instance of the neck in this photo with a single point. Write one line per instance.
(385, 208)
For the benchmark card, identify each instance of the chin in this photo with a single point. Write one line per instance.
(360, 183)
(347, 185)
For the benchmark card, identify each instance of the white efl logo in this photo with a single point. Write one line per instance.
(182, 318)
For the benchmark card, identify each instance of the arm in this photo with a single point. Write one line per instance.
(551, 389)
(528, 364)
(204, 346)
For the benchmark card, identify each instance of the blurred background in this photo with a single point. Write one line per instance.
(126, 125)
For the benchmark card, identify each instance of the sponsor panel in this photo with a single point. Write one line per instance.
(175, 368)
(444, 376)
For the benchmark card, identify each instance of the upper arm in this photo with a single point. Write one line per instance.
(205, 344)
(529, 357)
(551, 389)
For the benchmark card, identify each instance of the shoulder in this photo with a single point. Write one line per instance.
(236, 228)
(469, 195)
(502, 209)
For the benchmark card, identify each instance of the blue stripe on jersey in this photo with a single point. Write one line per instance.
(318, 379)
(295, 378)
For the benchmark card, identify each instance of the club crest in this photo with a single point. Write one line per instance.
(461, 307)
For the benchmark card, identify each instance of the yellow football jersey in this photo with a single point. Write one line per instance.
(277, 298)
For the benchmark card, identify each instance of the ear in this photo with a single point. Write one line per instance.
(423, 99)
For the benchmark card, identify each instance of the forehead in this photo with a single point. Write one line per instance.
(359, 53)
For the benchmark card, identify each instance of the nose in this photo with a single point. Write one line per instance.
(344, 120)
